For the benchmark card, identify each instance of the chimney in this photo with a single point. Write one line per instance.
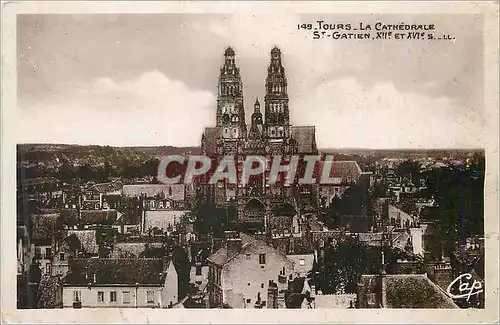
(383, 283)
(233, 243)
(272, 295)
(443, 274)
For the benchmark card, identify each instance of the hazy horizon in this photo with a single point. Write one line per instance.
(195, 146)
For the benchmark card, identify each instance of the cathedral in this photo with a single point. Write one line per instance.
(260, 206)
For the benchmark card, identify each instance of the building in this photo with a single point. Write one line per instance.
(24, 250)
(240, 271)
(268, 134)
(44, 235)
(123, 283)
(401, 291)
(345, 175)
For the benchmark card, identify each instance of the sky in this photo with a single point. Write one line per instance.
(151, 79)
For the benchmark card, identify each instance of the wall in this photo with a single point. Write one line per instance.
(417, 235)
(301, 270)
(44, 260)
(89, 296)
(396, 214)
(201, 279)
(170, 292)
(244, 275)
(329, 191)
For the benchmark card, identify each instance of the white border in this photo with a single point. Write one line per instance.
(490, 10)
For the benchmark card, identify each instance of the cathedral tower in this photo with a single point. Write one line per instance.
(277, 121)
(230, 109)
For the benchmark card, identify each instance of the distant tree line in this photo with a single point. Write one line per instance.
(67, 172)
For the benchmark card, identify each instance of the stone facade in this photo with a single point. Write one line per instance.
(267, 135)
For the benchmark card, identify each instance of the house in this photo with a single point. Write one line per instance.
(240, 271)
(122, 283)
(88, 240)
(401, 291)
(44, 230)
(400, 218)
(98, 217)
(93, 197)
(302, 263)
(24, 250)
(69, 248)
(132, 249)
(164, 220)
(175, 192)
(199, 266)
(344, 174)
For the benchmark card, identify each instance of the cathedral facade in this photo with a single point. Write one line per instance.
(259, 205)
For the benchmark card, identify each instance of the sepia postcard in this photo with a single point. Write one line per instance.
(189, 162)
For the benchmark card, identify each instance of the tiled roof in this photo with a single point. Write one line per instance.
(129, 217)
(93, 217)
(401, 240)
(415, 291)
(300, 245)
(305, 137)
(174, 192)
(88, 239)
(315, 224)
(48, 292)
(220, 256)
(211, 140)
(73, 242)
(344, 169)
(144, 271)
(128, 249)
(107, 187)
(69, 217)
(43, 227)
(113, 198)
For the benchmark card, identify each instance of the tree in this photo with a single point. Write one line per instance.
(459, 208)
(409, 169)
(339, 270)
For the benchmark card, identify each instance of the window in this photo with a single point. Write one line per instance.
(126, 297)
(77, 296)
(371, 299)
(302, 262)
(262, 258)
(249, 256)
(198, 270)
(112, 296)
(262, 285)
(100, 296)
(48, 253)
(61, 256)
(150, 297)
(249, 301)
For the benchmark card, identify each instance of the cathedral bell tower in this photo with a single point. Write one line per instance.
(277, 120)
(230, 109)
